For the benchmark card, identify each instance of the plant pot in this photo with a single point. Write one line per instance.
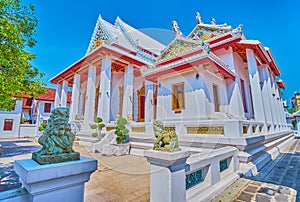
(119, 149)
(127, 139)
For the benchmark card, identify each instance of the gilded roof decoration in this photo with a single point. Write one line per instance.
(206, 32)
(178, 47)
(100, 36)
(99, 39)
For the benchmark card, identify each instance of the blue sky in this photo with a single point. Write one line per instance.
(65, 27)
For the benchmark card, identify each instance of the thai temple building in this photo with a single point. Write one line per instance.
(214, 87)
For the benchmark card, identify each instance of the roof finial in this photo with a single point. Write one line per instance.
(240, 29)
(213, 21)
(198, 18)
(176, 29)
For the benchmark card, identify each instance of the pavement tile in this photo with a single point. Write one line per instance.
(251, 189)
(262, 198)
(245, 197)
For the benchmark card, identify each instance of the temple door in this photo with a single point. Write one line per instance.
(97, 102)
(154, 100)
(141, 104)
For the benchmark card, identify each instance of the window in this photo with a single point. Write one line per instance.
(8, 124)
(178, 96)
(29, 102)
(216, 98)
(47, 108)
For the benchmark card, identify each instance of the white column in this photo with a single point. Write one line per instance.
(149, 104)
(266, 95)
(105, 85)
(57, 95)
(274, 101)
(64, 94)
(80, 104)
(167, 167)
(235, 107)
(75, 97)
(258, 107)
(270, 96)
(90, 98)
(279, 105)
(57, 182)
(128, 92)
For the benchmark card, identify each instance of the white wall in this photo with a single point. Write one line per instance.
(28, 130)
(16, 116)
(199, 98)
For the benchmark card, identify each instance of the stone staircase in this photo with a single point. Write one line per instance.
(86, 139)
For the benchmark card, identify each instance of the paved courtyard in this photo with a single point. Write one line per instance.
(279, 180)
(126, 178)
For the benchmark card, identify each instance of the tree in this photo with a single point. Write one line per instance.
(17, 33)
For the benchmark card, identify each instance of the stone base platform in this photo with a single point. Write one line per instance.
(58, 158)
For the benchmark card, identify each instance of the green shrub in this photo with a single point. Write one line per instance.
(121, 130)
(42, 126)
(98, 126)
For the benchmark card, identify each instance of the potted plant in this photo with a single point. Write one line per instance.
(42, 128)
(121, 131)
(98, 127)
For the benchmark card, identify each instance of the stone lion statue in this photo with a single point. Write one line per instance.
(57, 137)
(166, 140)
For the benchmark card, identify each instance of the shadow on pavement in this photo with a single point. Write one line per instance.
(10, 148)
(8, 178)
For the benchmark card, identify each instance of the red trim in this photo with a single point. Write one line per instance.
(94, 55)
(229, 43)
(124, 49)
(281, 84)
(191, 64)
(147, 51)
(177, 68)
(221, 38)
(225, 72)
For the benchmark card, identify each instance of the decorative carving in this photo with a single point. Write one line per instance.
(138, 129)
(166, 140)
(178, 47)
(206, 130)
(193, 179)
(213, 21)
(198, 18)
(207, 31)
(57, 140)
(176, 29)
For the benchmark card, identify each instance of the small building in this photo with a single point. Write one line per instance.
(27, 115)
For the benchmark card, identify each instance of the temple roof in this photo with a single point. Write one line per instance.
(177, 47)
(208, 31)
(124, 35)
(138, 38)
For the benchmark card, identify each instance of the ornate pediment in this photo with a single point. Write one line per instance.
(206, 31)
(178, 47)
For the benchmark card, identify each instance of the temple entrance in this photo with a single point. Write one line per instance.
(141, 104)
(154, 100)
(97, 102)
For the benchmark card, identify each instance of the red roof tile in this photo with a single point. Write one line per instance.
(50, 95)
